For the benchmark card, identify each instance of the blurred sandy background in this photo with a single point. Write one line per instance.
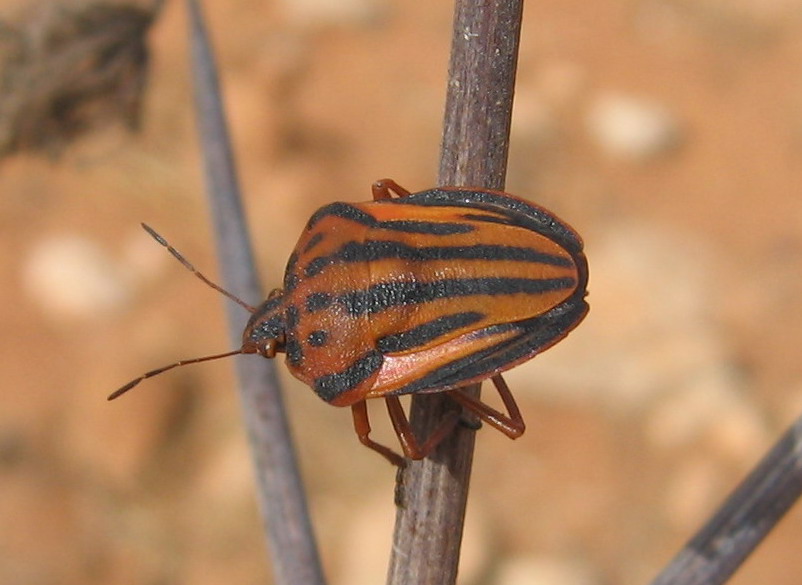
(668, 132)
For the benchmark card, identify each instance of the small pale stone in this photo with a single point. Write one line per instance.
(71, 277)
(545, 571)
(631, 129)
(312, 13)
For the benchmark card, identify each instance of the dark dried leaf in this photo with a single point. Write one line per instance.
(66, 71)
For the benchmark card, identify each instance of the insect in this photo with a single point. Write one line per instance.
(415, 293)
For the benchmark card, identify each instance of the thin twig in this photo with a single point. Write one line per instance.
(280, 492)
(481, 81)
(744, 520)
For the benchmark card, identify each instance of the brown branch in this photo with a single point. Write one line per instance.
(281, 496)
(481, 81)
(744, 520)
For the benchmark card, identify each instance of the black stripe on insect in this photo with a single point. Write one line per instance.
(375, 250)
(409, 226)
(427, 332)
(382, 296)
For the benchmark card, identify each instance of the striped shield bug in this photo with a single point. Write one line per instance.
(417, 292)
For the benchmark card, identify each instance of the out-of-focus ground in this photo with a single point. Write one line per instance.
(669, 133)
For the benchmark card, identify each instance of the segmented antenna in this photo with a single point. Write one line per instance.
(156, 372)
(194, 270)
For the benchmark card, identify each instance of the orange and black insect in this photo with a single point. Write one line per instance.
(421, 292)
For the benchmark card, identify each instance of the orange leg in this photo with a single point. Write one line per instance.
(511, 424)
(409, 443)
(382, 189)
(406, 437)
(362, 428)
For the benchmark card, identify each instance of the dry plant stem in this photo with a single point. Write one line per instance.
(744, 520)
(280, 492)
(481, 81)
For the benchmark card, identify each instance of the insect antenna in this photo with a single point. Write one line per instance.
(194, 270)
(156, 372)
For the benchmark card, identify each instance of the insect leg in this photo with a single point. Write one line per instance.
(362, 428)
(409, 443)
(383, 187)
(511, 424)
